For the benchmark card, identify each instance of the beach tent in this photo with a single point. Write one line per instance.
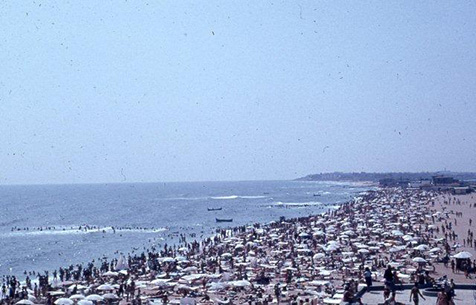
(122, 263)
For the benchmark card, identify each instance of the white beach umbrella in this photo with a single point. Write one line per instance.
(24, 302)
(421, 247)
(240, 283)
(105, 287)
(77, 297)
(110, 273)
(64, 301)
(78, 286)
(110, 296)
(94, 297)
(397, 233)
(85, 302)
(160, 282)
(463, 255)
(55, 293)
(433, 250)
(419, 260)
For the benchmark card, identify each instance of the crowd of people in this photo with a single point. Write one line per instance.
(392, 236)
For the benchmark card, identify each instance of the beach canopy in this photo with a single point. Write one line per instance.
(463, 255)
(24, 302)
(419, 260)
(240, 283)
(110, 273)
(64, 301)
(94, 297)
(421, 248)
(110, 296)
(105, 287)
(77, 297)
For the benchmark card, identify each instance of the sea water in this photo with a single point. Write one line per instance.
(43, 227)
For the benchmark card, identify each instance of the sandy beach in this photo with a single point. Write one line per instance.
(320, 259)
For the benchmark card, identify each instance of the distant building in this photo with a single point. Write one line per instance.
(391, 182)
(419, 184)
(444, 180)
(461, 190)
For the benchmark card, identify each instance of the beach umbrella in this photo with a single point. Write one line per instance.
(419, 260)
(160, 282)
(363, 251)
(325, 272)
(85, 302)
(397, 233)
(319, 256)
(110, 296)
(433, 250)
(110, 273)
(55, 293)
(94, 297)
(168, 259)
(218, 286)
(77, 297)
(421, 247)
(78, 286)
(24, 302)
(64, 301)
(105, 287)
(240, 283)
(463, 255)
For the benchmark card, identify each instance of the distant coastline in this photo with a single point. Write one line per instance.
(376, 177)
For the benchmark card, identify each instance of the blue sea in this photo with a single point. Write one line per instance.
(42, 227)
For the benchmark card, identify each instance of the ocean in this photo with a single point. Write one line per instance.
(44, 227)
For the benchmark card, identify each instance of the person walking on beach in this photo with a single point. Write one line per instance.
(415, 294)
(388, 276)
(368, 277)
(442, 298)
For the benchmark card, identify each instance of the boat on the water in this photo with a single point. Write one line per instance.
(214, 209)
(224, 219)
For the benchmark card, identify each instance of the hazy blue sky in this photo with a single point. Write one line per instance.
(111, 91)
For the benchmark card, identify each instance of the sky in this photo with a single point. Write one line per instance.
(146, 91)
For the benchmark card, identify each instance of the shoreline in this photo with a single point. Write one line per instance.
(312, 256)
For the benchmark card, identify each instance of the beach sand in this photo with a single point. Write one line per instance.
(461, 209)
(309, 258)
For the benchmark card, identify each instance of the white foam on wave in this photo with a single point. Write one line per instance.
(237, 197)
(76, 231)
(298, 204)
(225, 197)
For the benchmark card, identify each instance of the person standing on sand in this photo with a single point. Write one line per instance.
(415, 294)
(368, 278)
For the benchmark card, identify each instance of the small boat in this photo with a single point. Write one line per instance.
(224, 219)
(214, 209)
